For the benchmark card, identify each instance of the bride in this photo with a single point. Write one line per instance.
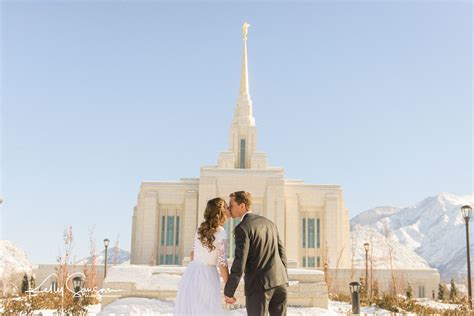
(199, 289)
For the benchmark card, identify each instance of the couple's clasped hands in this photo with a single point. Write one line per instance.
(230, 300)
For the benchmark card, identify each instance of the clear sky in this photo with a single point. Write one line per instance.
(99, 96)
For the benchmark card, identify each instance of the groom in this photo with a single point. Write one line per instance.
(259, 254)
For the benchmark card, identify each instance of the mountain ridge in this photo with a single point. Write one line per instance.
(433, 228)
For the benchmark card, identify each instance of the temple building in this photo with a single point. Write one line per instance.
(312, 219)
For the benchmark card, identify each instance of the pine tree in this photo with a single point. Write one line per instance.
(32, 283)
(441, 291)
(409, 291)
(453, 293)
(24, 284)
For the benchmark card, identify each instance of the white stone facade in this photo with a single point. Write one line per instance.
(313, 221)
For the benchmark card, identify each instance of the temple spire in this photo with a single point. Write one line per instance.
(244, 79)
(242, 152)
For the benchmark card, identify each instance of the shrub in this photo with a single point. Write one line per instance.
(24, 304)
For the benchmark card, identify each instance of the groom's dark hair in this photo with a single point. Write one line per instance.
(243, 197)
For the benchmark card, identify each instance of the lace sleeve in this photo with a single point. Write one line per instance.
(221, 253)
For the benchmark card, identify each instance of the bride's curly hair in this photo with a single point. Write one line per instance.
(214, 216)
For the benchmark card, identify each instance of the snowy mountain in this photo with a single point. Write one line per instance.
(14, 264)
(114, 256)
(433, 228)
(385, 250)
(374, 215)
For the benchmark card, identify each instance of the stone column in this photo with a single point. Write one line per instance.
(332, 228)
(134, 236)
(291, 229)
(189, 222)
(139, 234)
(149, 228)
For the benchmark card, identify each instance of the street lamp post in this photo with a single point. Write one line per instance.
(355, 297)
(366, 247)
(77, 285)
(466, 211)
(106, 245)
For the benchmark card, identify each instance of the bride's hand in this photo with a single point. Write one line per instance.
(230, 300)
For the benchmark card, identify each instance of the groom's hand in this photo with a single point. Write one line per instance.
(230, 300)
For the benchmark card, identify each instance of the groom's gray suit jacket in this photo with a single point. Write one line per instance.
(259, 254)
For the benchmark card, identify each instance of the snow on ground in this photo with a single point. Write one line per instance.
(437, 305)
(136, 306)
(152, 307)
(146, 277)
(304, 271)
(343, 308)
(339, 307)
(160, 281)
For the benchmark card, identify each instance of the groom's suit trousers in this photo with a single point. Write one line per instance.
(262, 302)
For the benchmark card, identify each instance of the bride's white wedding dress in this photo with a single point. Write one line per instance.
(199, 289)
